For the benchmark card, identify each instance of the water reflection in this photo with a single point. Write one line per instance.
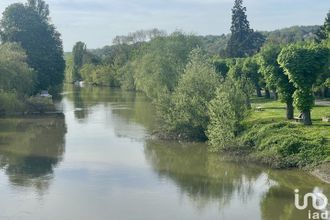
(30, 148)
(112, 171)
(129, 111)
(207, 178)
(201, 175)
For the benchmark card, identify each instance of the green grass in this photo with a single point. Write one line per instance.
(283, 143)
(274, 111)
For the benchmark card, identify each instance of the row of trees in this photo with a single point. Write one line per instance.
(205, 97)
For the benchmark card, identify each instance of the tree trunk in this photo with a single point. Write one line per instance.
(258, 89)
(267, 94)
(289, 111)
(275, 95)
(326, 92)
(306, 115)
(248, 103)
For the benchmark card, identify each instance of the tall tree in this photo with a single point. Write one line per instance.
(324, 31)
(78, 53)
(243, 40)
(28, 24)
(303, 64)
(275, 76)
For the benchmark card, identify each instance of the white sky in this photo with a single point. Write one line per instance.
(97, 22)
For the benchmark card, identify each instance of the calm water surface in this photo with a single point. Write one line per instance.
(97, 162)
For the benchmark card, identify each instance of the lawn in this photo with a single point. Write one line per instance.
(274, 111)
(284, 143)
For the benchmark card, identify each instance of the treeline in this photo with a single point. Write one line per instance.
(31, 58)
(200, 95)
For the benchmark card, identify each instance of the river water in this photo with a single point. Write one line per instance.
(96, 161)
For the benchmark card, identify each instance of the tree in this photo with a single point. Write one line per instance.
(16, 76)
(226, 112)
(324, 31)
(78, 53)
(29, 26)
(243, 40)
(242, 80)
(221, 66)
(187, 112)
(160, 64)
(303, 64)
(251, 70)
(276, 77)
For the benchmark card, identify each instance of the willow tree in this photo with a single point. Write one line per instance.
(303, 64)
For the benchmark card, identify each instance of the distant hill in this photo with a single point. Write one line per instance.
(215, 44)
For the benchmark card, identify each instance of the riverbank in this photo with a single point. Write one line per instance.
(269, 139)
(279, 143)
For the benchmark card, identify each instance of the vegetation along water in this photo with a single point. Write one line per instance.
(163, 125)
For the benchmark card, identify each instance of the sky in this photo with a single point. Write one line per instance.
(97, 22)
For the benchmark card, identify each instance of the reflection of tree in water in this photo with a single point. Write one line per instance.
(278, 202)
(207, 178)
(127, 107)
(30, 148)
(200, 175)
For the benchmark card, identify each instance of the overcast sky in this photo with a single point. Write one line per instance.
(97, 22)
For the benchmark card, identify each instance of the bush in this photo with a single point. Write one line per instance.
(226, 110)
(186, 110)
(9, 103)
(283, 145)
(39, 105)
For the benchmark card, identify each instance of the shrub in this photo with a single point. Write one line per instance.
(284, 145)
(39, 105)
(186, 110)
(226, 110)
(9, 103)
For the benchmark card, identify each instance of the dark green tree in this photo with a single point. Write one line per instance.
(303, 64)
(243, 40)
(275, 76)
(29, 26)
(221, 66)
(324, 31)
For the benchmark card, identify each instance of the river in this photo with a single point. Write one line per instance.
(97, 161)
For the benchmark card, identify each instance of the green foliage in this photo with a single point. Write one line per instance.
(291, 35)
(324, 32)
(226, 111)
(39, 105)
(284, 145)
(16, 76)
(251, 70)
(275, 75)
(161, 62)
(102, 75)
(127, 77)
(9, 103)
(78, 53)
(221, 66)
(186, 111)
(303, 64)
(29, 26)
(243, 40)
(239, 74)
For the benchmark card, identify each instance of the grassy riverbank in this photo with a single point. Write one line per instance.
(270, 139)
